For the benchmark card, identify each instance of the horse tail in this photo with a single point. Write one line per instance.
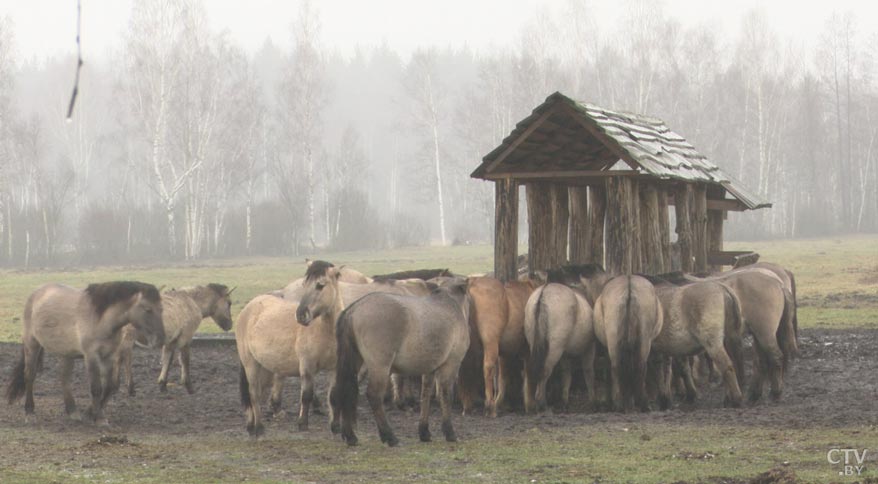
(795, 305)
(786, 334)
(15, 389)
(346, 390)
(631, 365)
(244, 388)
(539, 347)
(733, 330)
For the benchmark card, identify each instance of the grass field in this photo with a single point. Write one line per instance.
(837, 278)
(837, 285)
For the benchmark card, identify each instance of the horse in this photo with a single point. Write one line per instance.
(628, 316)
(767, 308)
(702, 316)
(183, 311)
(75, 323)
(422, 274)
(277, 338)
(496, 319)
(789, 281)
(558, 322)
(409, 335)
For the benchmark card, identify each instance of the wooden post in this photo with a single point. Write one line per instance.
(560, 220)
(623, 226)
(715, 233)
(505, 229)
(579, 243)
(664, 227)
(541, 237)
(651, 243)
(699, 227)
(597, 209)
(684, 230)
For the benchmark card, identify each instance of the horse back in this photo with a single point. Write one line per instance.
(267, 331)
(180, 316)
(53, 316)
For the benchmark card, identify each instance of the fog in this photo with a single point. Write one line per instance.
(195, 136)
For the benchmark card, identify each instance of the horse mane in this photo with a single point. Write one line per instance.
(422, 274)
(583, 270)
(655, 279)
(219, 289)
(676, 277)
(317, 269)
(104, 295)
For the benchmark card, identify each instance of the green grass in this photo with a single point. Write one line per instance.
(837, 278)
(601, 452)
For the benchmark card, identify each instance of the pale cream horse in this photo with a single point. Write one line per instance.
(272, 345)
(184, 310)
(74, 323)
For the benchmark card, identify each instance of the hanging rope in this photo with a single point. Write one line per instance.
(78, 60)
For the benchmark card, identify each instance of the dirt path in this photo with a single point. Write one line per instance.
(834, 383)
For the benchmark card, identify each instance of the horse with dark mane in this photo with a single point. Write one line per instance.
(76, 323)
(422, 274)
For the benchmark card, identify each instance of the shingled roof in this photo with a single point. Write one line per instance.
(563, 138)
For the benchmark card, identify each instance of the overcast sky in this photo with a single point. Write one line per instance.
(47, 27)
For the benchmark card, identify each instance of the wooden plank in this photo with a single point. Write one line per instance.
(664, 226)
(698, 219)
(597, 208)
(650, 230)
(682, 196)
(520, 139)
(505, 230)
(579, 243)
(714, 234)
(541, 238)
(561, 174)
(605, 139)
(622, 226)
(560, 219)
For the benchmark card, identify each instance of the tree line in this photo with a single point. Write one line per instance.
(184, 146)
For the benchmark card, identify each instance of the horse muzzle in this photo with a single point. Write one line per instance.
(304, 316)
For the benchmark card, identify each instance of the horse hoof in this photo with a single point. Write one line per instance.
(392, 441)
(303, 426)
(334, 427)
(102, 422)
(255, 431)
(190, 389)
(424, 433)
(131, 392)
(775, 396)
(351, 440)
(163, 387)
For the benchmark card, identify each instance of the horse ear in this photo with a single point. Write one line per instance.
(230, 291)
(308, 262)
(334, 272)
(161, 288)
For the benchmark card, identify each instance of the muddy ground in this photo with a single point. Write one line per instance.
(834, 383)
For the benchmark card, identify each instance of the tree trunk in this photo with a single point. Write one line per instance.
(650, 229)
(579, 243)
(597, 208)
(560, 219)
(664, 227)
(541, 238)
(506, 230)
(623, 226)
(439, 182)
(715, 233)
(682, 196)
(699, 227)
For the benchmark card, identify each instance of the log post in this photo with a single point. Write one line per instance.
(664, 227)
(623, 227)
(597, 209)
(541, 237)
(684, 230)
(579, 243)
(634, 226)
(699, 227)
(560, 219)
(651, 243)
(505, 229)
(715, 233)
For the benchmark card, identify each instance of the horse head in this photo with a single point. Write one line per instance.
(321, 291)
(137, 303)
(221, 305)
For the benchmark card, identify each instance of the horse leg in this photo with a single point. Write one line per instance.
(66, 374)
(492, 368)
(95, 373)
(334, 414)
(445, 376)
(33, 353)
(721, 359)
(256, 377)
(588, 373)
(760, 369)
(167, 357)
(663, 371)
(306, 381)
(375, 393)
(686, 368)
(397, 384)
(275, 402)
(616, 388)
(185, 377)
(126, 364)
(566, 381)
(427, 383)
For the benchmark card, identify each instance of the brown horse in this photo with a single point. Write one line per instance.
(183, 311)
(789, 281)
(558, 323)
(272, 345)
(702, 316)
(497, 330)
(75, 323)
(409, 335)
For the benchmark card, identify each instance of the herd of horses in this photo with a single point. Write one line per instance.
(474, 336)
